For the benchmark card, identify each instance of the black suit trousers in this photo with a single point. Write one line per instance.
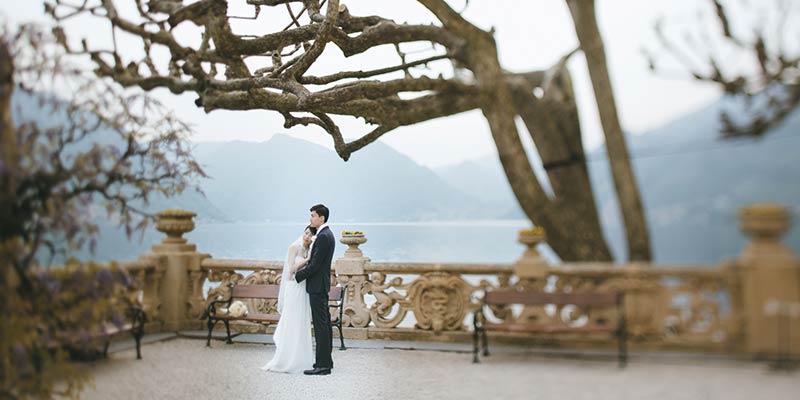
(323, 332)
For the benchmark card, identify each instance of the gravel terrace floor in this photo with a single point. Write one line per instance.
(183, 368)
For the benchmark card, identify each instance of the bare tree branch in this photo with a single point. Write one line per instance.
(771, 93)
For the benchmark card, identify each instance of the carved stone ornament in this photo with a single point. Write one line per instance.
(440, 301)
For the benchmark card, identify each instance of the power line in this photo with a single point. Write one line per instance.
(603, 156)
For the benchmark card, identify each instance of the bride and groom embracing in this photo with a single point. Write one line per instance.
(303, 298)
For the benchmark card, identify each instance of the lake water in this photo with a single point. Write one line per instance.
(468, 242)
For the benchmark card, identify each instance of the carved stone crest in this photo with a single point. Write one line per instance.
(440, 301)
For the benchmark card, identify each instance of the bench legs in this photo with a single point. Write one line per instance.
(210, 325)
(485, 343)
(140, 318)
(138, 334)
(475, 346)
(477, 331)
(228, 331)
(623, 350)
(138, 347)
(341, 336)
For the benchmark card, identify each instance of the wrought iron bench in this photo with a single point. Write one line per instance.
(266, 292)
(588, 300)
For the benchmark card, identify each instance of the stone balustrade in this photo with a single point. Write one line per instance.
(704, 307)
(687, 306)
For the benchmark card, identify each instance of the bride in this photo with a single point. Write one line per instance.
(293, 350)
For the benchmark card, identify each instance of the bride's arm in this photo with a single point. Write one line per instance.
(295, 266)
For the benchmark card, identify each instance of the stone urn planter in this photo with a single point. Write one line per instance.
(174, 223)
(532, 237)
(764, 222)
(353, 239)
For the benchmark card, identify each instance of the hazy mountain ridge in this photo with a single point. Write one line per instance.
(277, 180)
(484, 179)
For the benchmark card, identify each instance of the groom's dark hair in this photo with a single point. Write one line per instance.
(322, 211)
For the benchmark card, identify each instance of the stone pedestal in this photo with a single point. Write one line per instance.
(350, 271)
(770, 275)
(180, 259)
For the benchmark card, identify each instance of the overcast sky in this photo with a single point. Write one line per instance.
(531, 34)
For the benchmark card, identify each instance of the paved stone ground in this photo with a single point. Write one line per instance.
(183, 368)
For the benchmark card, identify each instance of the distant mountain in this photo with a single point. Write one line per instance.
(692, 184)
(278, 180)
(483, 179)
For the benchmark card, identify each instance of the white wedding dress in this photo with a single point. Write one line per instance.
(293, 349)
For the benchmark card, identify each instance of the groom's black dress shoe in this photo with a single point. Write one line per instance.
(318, 371)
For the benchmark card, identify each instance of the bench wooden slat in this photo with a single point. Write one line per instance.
(266, 318)
(111, 329)
(256, 291)
(534, 298)
(273, 318)
(271, 292)
(541, 328)
(107, 330)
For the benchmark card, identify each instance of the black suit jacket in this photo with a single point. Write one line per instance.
(317, 273)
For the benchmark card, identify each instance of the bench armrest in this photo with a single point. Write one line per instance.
(339, 303)
(212, 306)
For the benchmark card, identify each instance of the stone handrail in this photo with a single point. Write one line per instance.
(137, 265)
(224, 264)
(421, 268)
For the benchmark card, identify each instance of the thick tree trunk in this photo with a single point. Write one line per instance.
(637, 235)
(553, 124)
(9, 278)
(7, 136)
(8, 141)
(572, 229)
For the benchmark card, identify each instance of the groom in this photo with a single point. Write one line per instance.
(317, 274)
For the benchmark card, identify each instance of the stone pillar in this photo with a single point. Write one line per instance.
(350, 271)
(531, 266)
(180, 259)
(770, 273)
(646, 301)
